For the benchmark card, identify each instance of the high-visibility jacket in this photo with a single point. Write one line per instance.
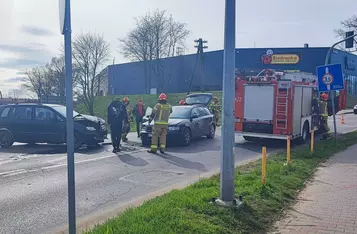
(323, 108)
(214, 107)
(129, 113)
(162, 113)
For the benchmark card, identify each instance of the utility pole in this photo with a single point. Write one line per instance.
(66, 30)
(200, 46)
(227, 149)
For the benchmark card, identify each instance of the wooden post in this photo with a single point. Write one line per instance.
(312, 141)
(264, 164)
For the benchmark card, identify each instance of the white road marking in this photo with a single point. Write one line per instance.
(56, 160)
(19, 171)
(22, 171)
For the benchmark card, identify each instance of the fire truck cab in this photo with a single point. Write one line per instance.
(276, 105)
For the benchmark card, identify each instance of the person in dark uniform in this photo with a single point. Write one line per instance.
(116, 115)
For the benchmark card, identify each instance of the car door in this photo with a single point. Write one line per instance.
(50, 126)
(22, 126)
(204, 120)
(195, 123)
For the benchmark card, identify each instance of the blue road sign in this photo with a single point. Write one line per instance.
(330, 77)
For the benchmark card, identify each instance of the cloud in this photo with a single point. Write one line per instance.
(28, 55)
(36, 31)
(15, 79)
(29, 48)
(20, 63)
(21, 73)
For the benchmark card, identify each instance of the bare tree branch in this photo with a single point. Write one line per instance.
(347, 25)
(90, 52)
(154, 37)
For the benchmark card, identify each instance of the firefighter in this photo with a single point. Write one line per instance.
(182, 102)
(116, 115)
(324, 113)
(139, 112)
(160, 114)
(128, 120)
(315, 108)
(215, 109)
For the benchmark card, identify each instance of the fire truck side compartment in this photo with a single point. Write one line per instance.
(303, 98)
(297, 112)
(258, 108)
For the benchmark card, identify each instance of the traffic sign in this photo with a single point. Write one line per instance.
(330, 78)
(62, 10)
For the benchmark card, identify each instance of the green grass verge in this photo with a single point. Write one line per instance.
(101, 103)
(189, 210)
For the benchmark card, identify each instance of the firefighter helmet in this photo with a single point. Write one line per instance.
(126, 100)
(324, 96)
(182, 102)
(162, 97)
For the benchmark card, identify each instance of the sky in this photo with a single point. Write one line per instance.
(30, 29)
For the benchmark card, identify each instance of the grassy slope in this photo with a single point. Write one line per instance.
(101, 103)
(189, 210)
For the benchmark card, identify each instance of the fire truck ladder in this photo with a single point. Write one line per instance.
(282, 109)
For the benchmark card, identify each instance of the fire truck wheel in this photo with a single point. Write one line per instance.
(304, 134)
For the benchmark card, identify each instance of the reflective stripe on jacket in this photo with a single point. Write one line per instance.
(162, 113)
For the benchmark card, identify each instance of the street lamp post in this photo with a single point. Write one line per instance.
(333, 93)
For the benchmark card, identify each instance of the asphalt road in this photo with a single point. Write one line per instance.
(33, 179)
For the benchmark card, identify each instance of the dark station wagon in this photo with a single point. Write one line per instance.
(45, 123)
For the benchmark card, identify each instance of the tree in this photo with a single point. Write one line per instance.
(348, 25)
(39, 81)
(90, 52)
(177, 33)
(154, 37)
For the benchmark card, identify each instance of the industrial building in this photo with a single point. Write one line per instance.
(172, 75)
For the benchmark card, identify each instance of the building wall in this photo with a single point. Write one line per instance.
(349, 66)
(174, 74)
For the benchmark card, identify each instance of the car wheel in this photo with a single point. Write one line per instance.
(6, 140)
(187, 137)
(212, 132)
(304, 134)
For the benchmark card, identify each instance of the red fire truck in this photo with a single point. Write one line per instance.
(277, 105)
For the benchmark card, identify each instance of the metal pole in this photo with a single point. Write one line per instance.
(332, 93)
(227, 154)
(69, 121)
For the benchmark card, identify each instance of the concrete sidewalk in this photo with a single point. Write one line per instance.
(329, 203)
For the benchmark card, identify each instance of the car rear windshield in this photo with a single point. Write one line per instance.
(199, 99)
(180, 112)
